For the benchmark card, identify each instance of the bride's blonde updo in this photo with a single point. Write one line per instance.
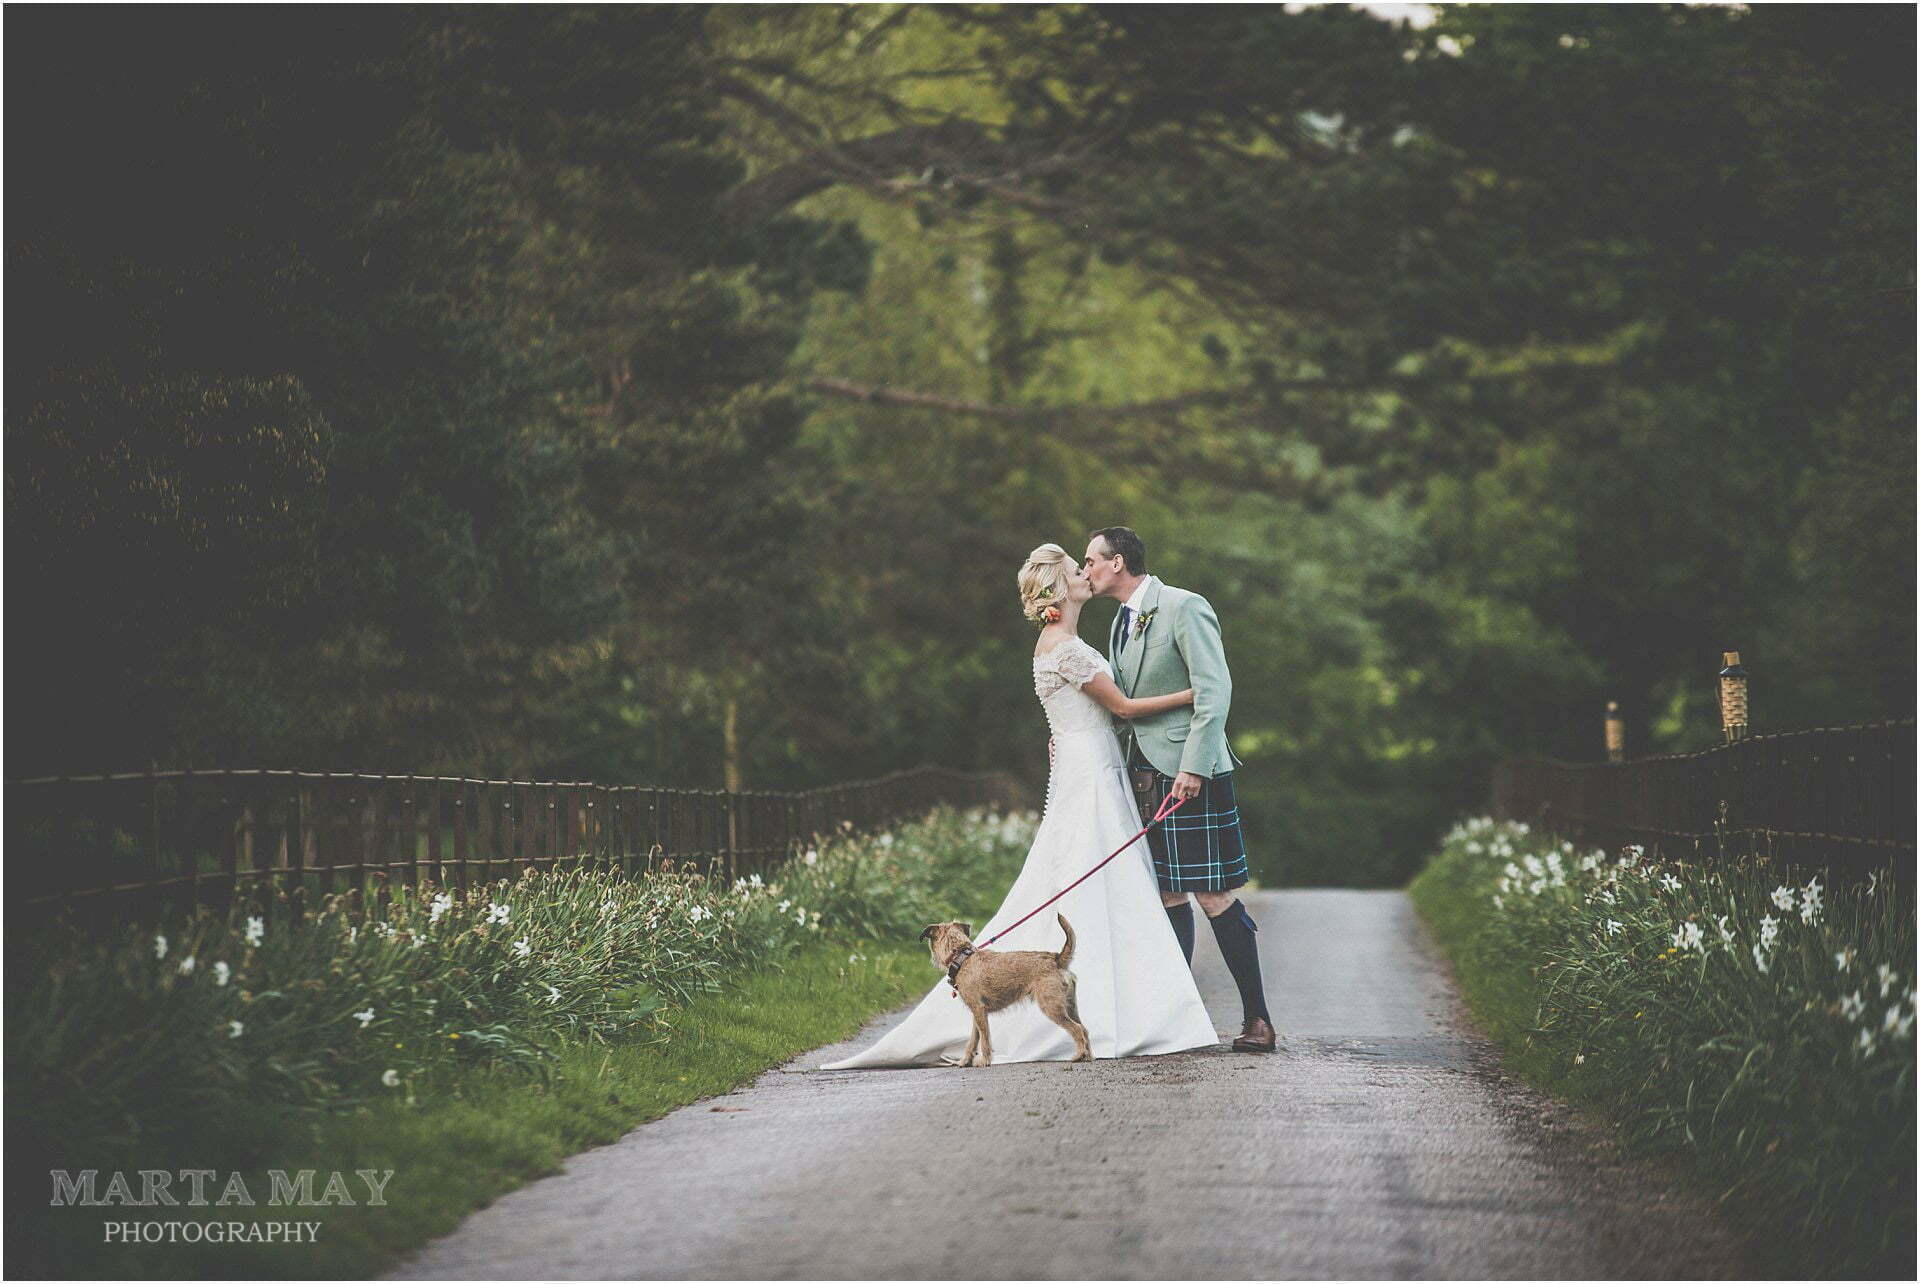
(1043, 581)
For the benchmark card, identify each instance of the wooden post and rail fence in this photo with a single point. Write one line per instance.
(1841, 798)
(124, 846)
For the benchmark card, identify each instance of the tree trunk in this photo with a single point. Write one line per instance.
(730, 729)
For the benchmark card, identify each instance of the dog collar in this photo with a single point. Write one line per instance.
(958, 961)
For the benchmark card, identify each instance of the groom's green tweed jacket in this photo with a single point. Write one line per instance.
(1179, 648)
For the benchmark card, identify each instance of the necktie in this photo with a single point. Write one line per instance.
(1126, 620)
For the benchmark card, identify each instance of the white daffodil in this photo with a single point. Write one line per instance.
(1636, 851)
(522, 948)
(1783, 898)
(1843, 960)
(437, 908)
(1579, 1058)
(553, 995)
(186, 966)
(1690, 937)
(1852, 1005)
(496, 912)
(1810, 902)
(391, 1078)
(1726, 933)
(235, 1029)
(800, 917)
(365, 1017)
(755, 881)
(159, 946)
(256, 930)
(1865, 1042)
(1533, 865)
(221, 973)
(1613, 927)
(1769, 929)
(1760, 958)
(784, 906)
(1886, 976)
(886, 840)
(813, 856)
(1669, 882)
(1499, 904)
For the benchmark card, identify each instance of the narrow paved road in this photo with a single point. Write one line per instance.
(1380, 1142)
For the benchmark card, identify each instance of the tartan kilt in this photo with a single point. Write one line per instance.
(1198, 848)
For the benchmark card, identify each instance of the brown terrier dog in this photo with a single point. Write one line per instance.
(989, 980)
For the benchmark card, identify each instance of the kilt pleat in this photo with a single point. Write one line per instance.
(1199, 848)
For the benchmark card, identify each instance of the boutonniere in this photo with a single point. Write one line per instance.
(1142, 620)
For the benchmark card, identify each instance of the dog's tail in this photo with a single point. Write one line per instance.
(1066, 952)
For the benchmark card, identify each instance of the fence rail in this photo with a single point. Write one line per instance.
(122, 845)
(1840, 797)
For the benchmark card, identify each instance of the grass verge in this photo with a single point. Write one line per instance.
(465, 1039)
(491, 1132)
(1759, 1033)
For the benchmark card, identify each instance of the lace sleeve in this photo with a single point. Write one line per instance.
(1080, 664)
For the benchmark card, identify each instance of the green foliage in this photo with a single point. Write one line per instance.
(451, 389)
(348, 1004)
(1765, 1030)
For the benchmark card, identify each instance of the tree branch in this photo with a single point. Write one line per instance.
(882, 395)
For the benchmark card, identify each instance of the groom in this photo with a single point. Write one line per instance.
(1164, 640)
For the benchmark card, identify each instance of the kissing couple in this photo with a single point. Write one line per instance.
(1145, 721)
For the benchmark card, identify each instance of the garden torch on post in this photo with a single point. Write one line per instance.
(1733, 697)
(1616, 733)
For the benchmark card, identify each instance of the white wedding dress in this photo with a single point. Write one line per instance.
(1136, 992)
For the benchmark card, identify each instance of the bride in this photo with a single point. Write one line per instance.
(1136, 991)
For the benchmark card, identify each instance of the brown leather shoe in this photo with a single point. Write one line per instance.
(1258, 1036)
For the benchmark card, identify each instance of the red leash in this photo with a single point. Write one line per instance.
(1168, 806)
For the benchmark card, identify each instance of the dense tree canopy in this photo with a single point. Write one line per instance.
(671, 394)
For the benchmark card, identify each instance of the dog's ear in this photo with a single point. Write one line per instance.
(927, 932)
(966, 930)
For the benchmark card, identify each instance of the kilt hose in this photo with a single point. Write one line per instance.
(1198, 848)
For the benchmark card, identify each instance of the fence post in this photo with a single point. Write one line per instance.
(1616, 732)
(1733, 697)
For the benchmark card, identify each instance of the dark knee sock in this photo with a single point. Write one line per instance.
(1181, 916)
(1233, 928)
